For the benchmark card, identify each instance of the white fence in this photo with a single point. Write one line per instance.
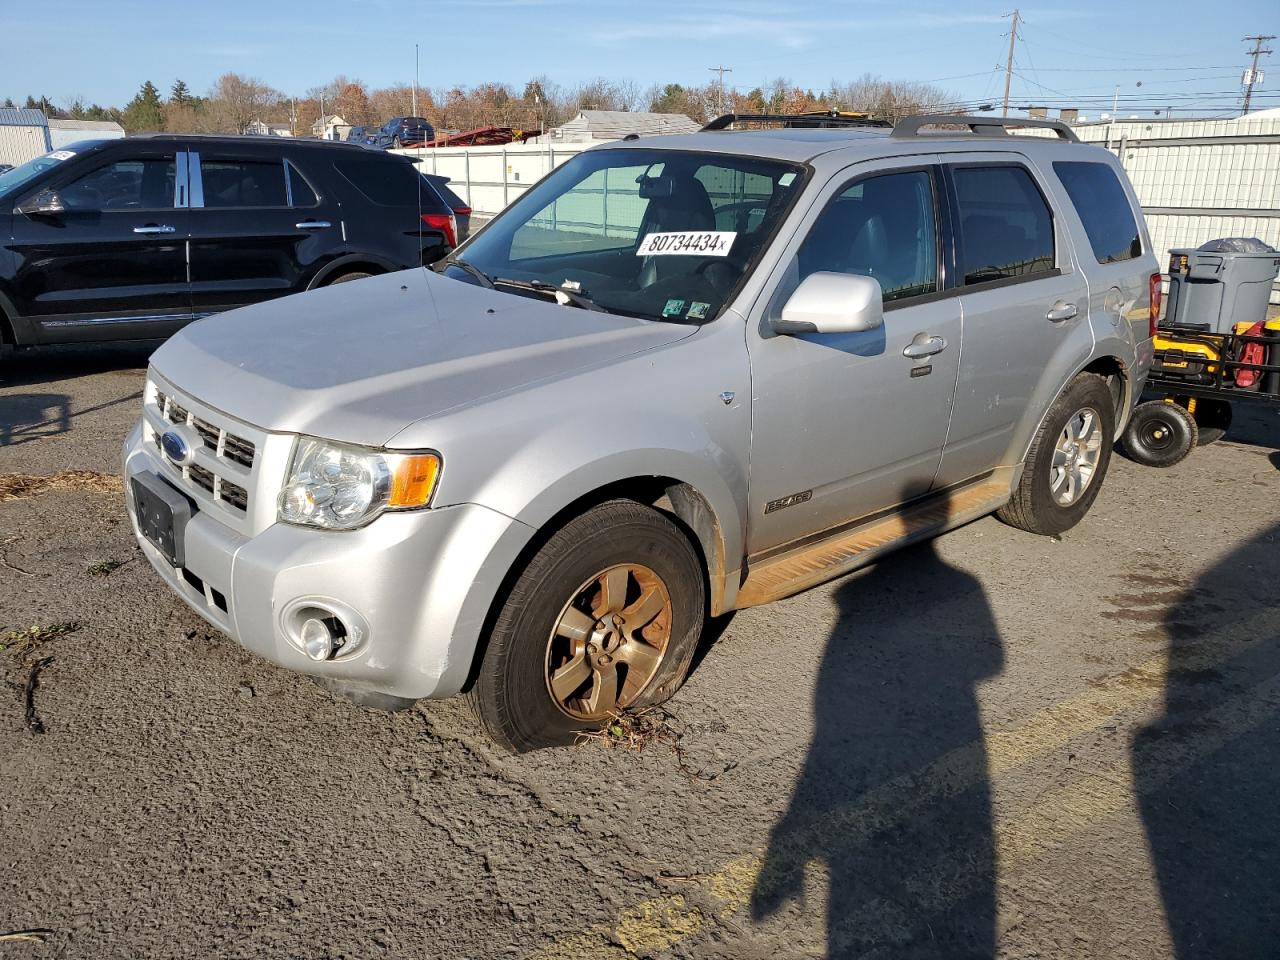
(489, 178)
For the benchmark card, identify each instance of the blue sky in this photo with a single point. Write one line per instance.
(101, 50)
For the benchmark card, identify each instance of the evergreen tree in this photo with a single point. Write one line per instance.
(144, 112)
(9, 104)
(180, 94)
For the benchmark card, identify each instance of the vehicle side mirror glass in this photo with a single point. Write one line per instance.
(832, 303)
(44, 203)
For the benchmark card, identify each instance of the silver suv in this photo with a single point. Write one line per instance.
(680, 375)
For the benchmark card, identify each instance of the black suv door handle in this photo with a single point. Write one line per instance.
(313, 224)
(154, 228)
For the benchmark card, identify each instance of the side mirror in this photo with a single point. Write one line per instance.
(44, 203)
(832, 303)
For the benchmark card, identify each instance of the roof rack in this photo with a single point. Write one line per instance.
(815, 118)
(978, 126)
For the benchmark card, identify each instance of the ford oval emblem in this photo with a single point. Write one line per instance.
(175, 447)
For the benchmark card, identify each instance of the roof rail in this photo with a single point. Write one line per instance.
(816, 118)
(978, 126)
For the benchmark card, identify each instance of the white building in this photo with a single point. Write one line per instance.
(259, 128)
(63, 132)
(331, 127)
(24, 135)
(591, 125)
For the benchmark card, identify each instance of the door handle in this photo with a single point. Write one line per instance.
(154, 228)
(924, 346)
(313, 224)
(1061, 311)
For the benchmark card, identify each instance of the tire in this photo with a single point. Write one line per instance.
(1052, 497)
(395, 143)
(348, 277)
(1213, 420)
(562, 590)
(1160, 434)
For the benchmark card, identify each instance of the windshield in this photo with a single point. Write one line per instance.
(659, 234)
(32, 168)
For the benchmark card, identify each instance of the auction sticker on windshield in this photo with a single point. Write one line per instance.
(690, 243)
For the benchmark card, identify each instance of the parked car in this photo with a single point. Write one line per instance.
(132, 238)
(461, 209)
(401, 132)
(356, 135)
(678, 376)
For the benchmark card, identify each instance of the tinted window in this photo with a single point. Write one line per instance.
(300, 190)
(243, 183)
(882, 227)
(123, 185)
(1104, 209)
(447, 195)
(1006, 229)
(383, 181)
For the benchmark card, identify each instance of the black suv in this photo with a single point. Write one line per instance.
(130, 239)
(399, 132)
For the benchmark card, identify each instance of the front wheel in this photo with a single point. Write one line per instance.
(1067, 460)
(603, 619)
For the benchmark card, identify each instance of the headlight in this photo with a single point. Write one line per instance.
(339, 487)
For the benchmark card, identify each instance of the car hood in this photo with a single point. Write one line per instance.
(360, 361)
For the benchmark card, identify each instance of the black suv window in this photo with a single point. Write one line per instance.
(881, 227)
(383, 181)
(243, 183)
(1103, 208)
(124, 185)
(1006, 229)
(300, 192)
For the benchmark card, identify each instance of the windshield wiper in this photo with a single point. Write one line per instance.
(560, 293)
(468, 268)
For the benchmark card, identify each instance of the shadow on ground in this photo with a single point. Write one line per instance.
(41, 365)
(894, 798)
(1208, 770)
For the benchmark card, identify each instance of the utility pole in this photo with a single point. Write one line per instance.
(722, 70)
(1008, 68)
(1251, 77)
(414, 108)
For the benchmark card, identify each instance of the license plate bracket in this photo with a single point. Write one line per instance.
(162, 512)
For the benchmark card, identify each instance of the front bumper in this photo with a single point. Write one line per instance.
(422, 581)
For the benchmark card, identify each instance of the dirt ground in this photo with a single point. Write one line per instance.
(991, 745)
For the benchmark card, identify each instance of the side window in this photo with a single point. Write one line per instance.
(387, 182)
(1006, 229)
(243, 183)
(124, 185)
(881, 227)
(1104, 210)
(300, 192)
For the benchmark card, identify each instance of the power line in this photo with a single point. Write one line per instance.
(1251, 77)
(722, 70)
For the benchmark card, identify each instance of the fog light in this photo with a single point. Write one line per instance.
(319, 640)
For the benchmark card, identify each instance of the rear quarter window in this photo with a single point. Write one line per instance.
(388, 183)
(1104, 209)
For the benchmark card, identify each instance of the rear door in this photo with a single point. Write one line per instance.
(258, 227)
(1025, 306)
(112, 263)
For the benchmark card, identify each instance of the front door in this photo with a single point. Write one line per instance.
(255, 225)
(112, 262)
(845, 425)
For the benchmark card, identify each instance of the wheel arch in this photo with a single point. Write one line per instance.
(362, 263)
(1114, 372)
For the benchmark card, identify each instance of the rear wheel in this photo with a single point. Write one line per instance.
(1160, 434)
(1213, 420)
(1067, 460)
(604, 619)
(395, 143)
(348, 277)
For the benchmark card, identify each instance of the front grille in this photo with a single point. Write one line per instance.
(222, 468)
(221, 442)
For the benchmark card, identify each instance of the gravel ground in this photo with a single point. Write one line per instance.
(990, 745)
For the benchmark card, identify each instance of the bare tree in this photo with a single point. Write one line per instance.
(237, 101)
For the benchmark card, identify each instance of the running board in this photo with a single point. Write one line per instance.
(853, 547)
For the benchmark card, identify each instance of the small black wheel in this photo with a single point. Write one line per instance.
(1067, 460)
(1160, 434)
(603, 619)
(1213, 420)
(348, 277)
